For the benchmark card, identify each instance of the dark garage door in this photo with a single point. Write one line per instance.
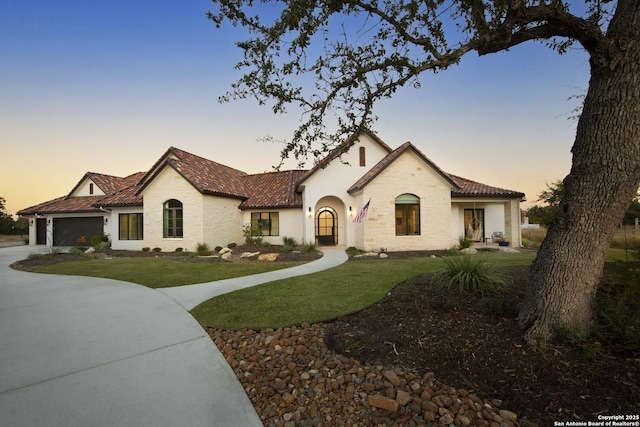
(76, 231)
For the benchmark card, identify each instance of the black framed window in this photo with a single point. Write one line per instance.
(130, 226)
(407, 215)
(267, 222)
(173, 224)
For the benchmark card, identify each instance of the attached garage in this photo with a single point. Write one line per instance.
(76, 231)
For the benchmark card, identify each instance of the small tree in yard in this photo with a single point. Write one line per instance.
(359, 52)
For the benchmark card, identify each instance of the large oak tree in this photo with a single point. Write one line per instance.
(336, 58)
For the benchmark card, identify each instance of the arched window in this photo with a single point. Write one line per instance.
(172, 218)
(407, 215)
(327, 226)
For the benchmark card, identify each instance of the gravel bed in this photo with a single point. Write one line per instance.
(292, 380)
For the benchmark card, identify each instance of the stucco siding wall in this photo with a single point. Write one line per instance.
(84, 189)
(494, 218)
(114, 230)
(333, 182)
(408, 174)
(291, 223)
(499, 215)
(170, 185)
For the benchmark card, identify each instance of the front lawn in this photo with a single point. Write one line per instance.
(161, 272)
(322, 296)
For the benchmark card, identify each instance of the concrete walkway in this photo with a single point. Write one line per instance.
(191, 295)
(80, 351)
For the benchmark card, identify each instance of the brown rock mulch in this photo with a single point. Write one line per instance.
(293, 379)
(466, 353)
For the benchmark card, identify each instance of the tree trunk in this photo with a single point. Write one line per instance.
(604, 178)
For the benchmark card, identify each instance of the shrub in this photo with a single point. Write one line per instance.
(103, 246)
(99, 239)
(309, 247)
(352, 250)
(232, 245)
(286, 249)
(146, 249)
(252, 234)
(469, 274)
(218, 248)
(288, 241)
(464, 242)
(157, 249)
(533, 244)
(179, 249)
(202, 249)
(76, 251)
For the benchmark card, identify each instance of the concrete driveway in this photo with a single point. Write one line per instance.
(78, 351)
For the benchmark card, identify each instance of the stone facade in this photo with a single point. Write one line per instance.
(170, 185)
(407, 175)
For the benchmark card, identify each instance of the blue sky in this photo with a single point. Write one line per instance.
(108, 86)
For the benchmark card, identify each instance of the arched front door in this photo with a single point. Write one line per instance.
(327, 226)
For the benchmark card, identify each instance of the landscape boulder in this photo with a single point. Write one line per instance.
(268, 257)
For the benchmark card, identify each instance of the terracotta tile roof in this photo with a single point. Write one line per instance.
(265, 190)
(461, 187)
(273, 190)
(109, 184)
(64, 205)
(389, 159)
(120, 192)
(124, 197)
(473, 188)
(205, 175)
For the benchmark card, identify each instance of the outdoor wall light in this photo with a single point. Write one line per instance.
(310, 214)
(49, 221)
(350, 211)
(106, 221)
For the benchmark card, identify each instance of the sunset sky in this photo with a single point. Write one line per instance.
(108, 86)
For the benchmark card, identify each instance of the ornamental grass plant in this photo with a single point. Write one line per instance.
(469, 274)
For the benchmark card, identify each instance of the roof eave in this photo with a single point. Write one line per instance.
(487, 195)
(246, 208)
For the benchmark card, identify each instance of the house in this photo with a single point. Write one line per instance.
(185, 199)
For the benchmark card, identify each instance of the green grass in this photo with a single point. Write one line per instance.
(159, 272)
(322, 296)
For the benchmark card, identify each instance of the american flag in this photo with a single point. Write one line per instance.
(363, 212)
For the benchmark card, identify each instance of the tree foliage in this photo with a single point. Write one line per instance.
(553, 195)
(550, 197)
(7, 224)
(335, 59)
